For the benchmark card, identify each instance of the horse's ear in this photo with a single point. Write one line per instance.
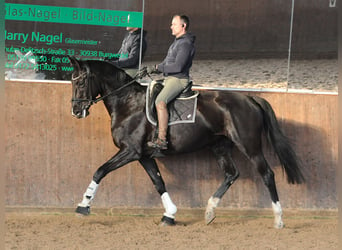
(75, 63)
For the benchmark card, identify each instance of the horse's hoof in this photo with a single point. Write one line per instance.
(83, 210)
(167, 221)
(279, 225)
(209, 216)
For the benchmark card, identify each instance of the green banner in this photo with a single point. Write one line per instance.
(54, 14)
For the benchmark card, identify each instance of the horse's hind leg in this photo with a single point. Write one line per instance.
(152, 170)
(268, 178)
(222, 152)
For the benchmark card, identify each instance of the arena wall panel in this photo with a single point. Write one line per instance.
(51, 156)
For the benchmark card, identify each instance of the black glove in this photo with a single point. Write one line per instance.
(152, 69)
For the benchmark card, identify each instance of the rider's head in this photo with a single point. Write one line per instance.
(179, 25)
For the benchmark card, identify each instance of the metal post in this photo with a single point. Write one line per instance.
(290, 43)
(141, 34)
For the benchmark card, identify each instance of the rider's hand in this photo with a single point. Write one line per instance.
(141, 73)
(152, 69)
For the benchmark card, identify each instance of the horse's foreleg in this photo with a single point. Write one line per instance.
(88, 196)
(120, 159)
(152, 170)
(268, 178)
(170, 208)
(222, 151)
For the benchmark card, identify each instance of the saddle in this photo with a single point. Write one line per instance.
(181, 110)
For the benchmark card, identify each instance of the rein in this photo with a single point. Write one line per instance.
(114, 91)
(91, 102)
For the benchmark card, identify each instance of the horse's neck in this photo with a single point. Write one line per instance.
(126, 102)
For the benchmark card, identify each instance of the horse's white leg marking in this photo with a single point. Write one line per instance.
(89, 194)
(278, 213)
(170, 207)
(213, 202)
(210, 211)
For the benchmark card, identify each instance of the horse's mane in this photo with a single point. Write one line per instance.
(105, 70)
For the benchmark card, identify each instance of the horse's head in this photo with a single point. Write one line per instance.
(93, 78)
(82, 97)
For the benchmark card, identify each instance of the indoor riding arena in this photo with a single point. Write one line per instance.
(282, 51)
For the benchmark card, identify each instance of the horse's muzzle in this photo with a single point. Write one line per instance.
(83, 113)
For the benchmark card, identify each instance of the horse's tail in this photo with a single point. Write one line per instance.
(280, 143)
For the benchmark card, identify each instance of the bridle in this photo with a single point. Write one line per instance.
(91, 101)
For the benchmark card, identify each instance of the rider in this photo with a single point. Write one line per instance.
(175, 67)
(131, 47)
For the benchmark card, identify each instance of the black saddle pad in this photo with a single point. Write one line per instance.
(181, 110)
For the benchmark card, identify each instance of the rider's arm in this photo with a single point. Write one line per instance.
(182, 56)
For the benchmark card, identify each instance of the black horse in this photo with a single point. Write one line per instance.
(224, 120)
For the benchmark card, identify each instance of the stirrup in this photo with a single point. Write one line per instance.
(158, 144)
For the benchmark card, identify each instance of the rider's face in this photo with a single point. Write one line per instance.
(177, 27)
(131, 29)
